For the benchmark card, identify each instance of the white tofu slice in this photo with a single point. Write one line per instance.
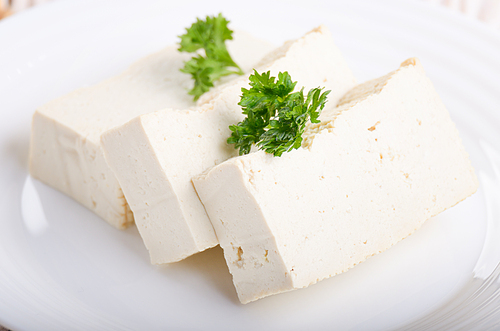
(65, 141)
(155, 156)
(387, 159)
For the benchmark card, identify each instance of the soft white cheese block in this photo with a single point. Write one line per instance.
(387, 159)
(155, 156)
(65, 141)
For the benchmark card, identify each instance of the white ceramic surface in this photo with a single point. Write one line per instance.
(62, 268)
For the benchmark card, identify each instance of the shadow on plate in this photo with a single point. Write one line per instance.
(17, 149)
(212, 265)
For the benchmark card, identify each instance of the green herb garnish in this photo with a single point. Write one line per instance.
(276, 117)
(209, 35)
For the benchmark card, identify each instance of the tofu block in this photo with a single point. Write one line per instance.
(154, 156)
(385, 160)
(65, 150)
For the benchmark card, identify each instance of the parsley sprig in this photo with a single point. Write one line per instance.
(209, 35)
(276, 117)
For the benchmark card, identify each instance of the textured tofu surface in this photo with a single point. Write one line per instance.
(155, 156)
(385, 160)
(65, 142)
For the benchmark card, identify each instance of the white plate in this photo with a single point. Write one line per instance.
(63, 268)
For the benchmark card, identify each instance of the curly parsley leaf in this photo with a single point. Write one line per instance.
(276, 117)
(209, 35)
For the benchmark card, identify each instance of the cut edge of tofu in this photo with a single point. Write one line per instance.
(158, 194)
(242, 198)
(117, 212)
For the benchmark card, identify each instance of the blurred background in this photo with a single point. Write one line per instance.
(487, 11)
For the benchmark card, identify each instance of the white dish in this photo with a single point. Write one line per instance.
(61, 267)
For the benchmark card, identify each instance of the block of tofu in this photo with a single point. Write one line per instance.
(155, 156)
(65, 150)
(380, 164)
